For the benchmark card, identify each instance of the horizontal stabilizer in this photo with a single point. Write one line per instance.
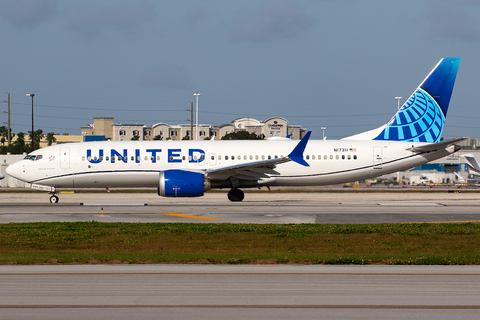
(437, 146)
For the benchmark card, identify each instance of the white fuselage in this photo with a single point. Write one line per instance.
(138, 163)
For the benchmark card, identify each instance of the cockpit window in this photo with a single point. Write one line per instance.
(33, 158)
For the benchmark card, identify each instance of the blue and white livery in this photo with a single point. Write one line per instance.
(189, 168)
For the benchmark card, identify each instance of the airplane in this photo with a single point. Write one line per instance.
(473, 169)
(473, 164)
(466, 180)
(190, 168)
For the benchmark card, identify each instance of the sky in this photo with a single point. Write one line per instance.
(317, 63)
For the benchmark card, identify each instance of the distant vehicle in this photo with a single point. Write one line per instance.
(189, 168)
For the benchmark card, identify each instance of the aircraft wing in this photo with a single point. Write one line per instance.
(248, 171)
(437, 146)
(260, 169)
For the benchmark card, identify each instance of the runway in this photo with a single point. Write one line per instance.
(324, 207)
(237, 292)
(244, 291)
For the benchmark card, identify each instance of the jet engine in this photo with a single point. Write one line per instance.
(181, 183)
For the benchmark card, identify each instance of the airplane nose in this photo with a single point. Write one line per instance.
(13, 170)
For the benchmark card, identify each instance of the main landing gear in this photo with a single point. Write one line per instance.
(235, 195)
(53, 198)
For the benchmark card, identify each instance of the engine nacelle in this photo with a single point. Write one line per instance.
(180, 183)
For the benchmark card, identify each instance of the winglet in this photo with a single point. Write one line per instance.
(297, 154)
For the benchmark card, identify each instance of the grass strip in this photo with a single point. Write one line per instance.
(96, 242)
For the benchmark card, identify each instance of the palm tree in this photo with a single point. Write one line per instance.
(51, 138)
(19, 144)
(35, 139)
(3, 133)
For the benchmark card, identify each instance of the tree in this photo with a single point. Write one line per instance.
(135, 138)
(158, 137)
(243, 135)
(37, 136)
(18, 146)
(51, 138)
(187, 137)
(4, 134)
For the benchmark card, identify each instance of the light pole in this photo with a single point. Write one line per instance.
(398, 99)
(196, 117)
(323, 128)
(32, 95)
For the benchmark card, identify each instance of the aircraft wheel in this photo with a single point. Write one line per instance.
(53, 199)
(236, 195)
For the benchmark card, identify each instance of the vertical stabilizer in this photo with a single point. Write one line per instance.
(422, 117)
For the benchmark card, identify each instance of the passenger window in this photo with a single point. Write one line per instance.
(101, 158)
(337, 157)
(244, 157)
(239, 157)
(343, 157)
(139, 158)
(158, 158)
(251, 157)
(83, 158)
(325, 157)
(213, 158)
(269, 157)
(263, 157)
(307, 157)
(146, 158)
(331, 157)
(107, 158)
(256, 157)
(313, 157)
(226, 157)
(355, 157)
(349, 157)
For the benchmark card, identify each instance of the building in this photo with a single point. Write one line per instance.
(270, 127)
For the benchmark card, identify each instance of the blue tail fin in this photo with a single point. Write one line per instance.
(422, 117)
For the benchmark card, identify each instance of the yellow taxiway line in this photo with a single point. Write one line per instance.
(188, 216)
